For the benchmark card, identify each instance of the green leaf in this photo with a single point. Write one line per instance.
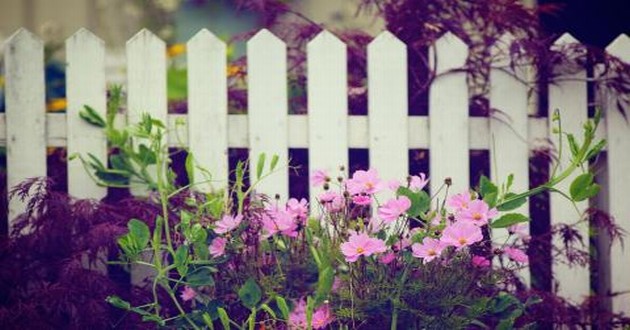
(190, 166)
(139, 233)
(573, 146)
(420, 201)
(596, 149)
(201, 276)
(146, 156)
(118, 302)
(511, 204)
(92, 117)
(225, 319)
(283, 307)
(510, 180)
(508, 220)
(324, 285)
(260, 165)
(207, 320)
(269, 311)
(583, 188)
(250, 293)
(180, 260)
(488, 190)
(274, 162)
(176, 84)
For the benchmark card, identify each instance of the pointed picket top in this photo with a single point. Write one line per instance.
(265, 36)
(620, 47)
(85, 34)
(325, 39)
(23, 37)
(386, 39)
(203, 35)
(145, 36)
(451, 52)
(566, 39)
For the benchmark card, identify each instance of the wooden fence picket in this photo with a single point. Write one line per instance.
(327, 87)
(25, 112)
(569, 96)
(85, 85)
(618, 136)
(509, 149)
(448, 115)
(207, 109)
(387, 108)
(267, 113)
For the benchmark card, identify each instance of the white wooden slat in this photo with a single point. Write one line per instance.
(387, 108)
(146, 82)
(448, 117)
(85, 85)
(618, 179)
(569, 96)
(327, 107)
(25, 112)
(207, 109)
(267, 113)
(509, 150)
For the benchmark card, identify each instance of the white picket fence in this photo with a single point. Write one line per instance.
(327, 131)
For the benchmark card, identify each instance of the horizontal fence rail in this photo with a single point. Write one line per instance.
(327, 131)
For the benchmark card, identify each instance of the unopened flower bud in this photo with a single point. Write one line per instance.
(339, 179)
(326, 186)
(277, 197)
(448, 181)
(342, 168)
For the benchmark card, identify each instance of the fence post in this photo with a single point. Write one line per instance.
(25, 112)
(448, 115)
(267, 113)
(207, 109)
(568, 95)
(327, 107)
(387, 108)
(85, 85)
(618, 138)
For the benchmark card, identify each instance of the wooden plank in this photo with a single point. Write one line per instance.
(25, 112)
(618, 178)
(387, 109)
(327, 107)
(146, 82)
(509, 150)
(85, 85)
(569, 97)
(267, 113)
(207, 109)
(448, 117)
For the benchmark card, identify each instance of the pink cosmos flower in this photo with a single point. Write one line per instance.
(393, 185)
(459, 202)
(430, 249)
(227, 223)
(515, 254)
(319, 177)
(394, 208)
(366, 182)
(461, 234)
(362, 199)
(298, 209)
(361, 245)
(321, 317)
(278, 221)
(188, 294)
(387, 258)
(418, 182)
(332, 201)
(217, 247)
(477, 213)
(481, 262)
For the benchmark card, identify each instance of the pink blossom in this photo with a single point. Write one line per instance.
(477, 213)
(418, 182)
(430, 249)
(227, 223)
(364, 182)
(520, 230)
(459, 202)
(387, 258)
(393, 185)
(361, 245)
(217, 247)
(394, 208)
(319, 177)
(188, 294)
(461, 234)
(481, 262)
(516, 254)
(274, 221)
(298, 209)
(402, 244)
(361, 199)
(332, 201)
(321, 317)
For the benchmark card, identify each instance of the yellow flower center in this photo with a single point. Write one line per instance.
(360, 250)
(462, 241)
(369, 185)
(431, 252)
(476, 216)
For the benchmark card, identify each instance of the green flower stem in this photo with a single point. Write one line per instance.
(403, 279)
